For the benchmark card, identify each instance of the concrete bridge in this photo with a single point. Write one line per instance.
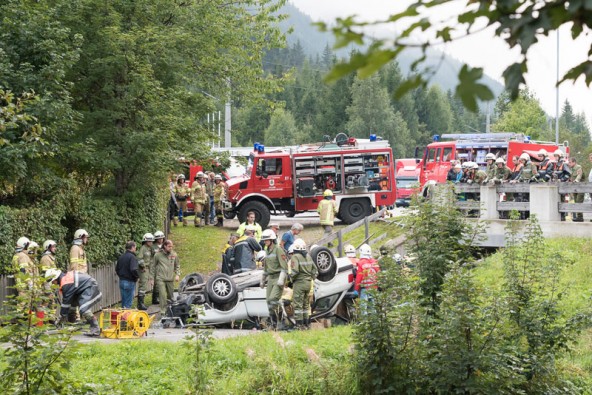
(546, 201)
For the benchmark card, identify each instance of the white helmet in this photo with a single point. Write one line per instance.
(158, 235)
(148, 237)
(474, 165)
(489, 156)
(52, 274)
(543, 152)
(467, 165)
(365, 251)
(349, 249)
(23, 242)
(200, 174)
(268, 234)
(398, 258)
(559, 153)
(458, 166)
(525, 157)
(499, 160)
(291, 249)
(180, 177)
(80, 233)
(218, 177)
(33, 245)
(260, 256)
(299, 245)
(49, 243)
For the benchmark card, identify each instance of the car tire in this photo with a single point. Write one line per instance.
(354, 210)
(262, 214)
(325, 262)
(190, 280)
(221, 288)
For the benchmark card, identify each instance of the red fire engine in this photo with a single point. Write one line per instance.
(407, 177)
(473, 147)
(289, 181)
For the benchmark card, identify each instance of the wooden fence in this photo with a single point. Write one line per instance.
(369, 239)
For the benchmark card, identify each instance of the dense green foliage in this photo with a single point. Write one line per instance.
(470, 337)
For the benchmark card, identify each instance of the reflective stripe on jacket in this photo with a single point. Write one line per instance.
(327, 210)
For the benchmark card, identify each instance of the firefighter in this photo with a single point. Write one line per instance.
(210, 211)
(48, 258)
(32, 251)
(303, 272)
(275, 273)
(244, 250)
(327, 209)
(77, 289)
(545, 167)
(156, 246)
(576, 176)
(250, 221)
(165, 271)
(490, 170)
(228, 255)
(561, 170)
(144, 255)
(219, 193)
(22, 263)
(78, 259)
(526, 173)
(501, 172)
(181, 195)
(367, 270)
(199, 195)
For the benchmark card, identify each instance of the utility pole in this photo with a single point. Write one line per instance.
(488, 119)
(227, 119)
(557, 95)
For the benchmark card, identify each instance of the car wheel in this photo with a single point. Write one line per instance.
(325, 261)
(354, 210)
(262, 214)
(221, 288)
(190, 280)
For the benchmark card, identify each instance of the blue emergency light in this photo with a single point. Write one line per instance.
(527, 139)
(436, 138)
(372, 137)
(256, 146)
(261, 148)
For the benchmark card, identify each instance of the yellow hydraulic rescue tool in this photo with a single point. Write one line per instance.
(124, 324)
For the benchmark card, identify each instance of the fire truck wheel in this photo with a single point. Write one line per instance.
(353, 210)
(221, 288)
(190, 280)
(262, 213)
(229, 215)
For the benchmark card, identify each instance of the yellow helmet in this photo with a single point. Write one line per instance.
(328, 192)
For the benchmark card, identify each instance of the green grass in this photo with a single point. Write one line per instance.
(299, 362)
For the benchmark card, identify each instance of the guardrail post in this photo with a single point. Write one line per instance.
(489, 198)
(544, 202)
(366, 229)
(340, 243)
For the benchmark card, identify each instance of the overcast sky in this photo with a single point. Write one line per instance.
(485, 50)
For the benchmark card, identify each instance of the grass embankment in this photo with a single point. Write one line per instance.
(316, 361)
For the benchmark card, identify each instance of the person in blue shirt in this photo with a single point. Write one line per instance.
(289, 237)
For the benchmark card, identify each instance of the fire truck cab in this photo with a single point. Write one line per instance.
(289, 181)
(407, 177)
(473, 147)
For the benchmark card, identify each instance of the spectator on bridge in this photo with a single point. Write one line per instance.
(289, 237)
(455, 173)
(576, 176)
(250, 221)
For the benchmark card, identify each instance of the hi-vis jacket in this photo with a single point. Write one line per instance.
(327, 210)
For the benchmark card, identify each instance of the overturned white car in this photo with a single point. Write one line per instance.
(227, 299)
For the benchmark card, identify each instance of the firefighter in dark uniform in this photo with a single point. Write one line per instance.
(275, 273)
(77, 289)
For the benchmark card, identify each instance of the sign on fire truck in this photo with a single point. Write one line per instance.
(289, 181)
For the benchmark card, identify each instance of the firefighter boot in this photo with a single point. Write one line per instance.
(141, 305)
(94, 329)
(155, 299)
(299, 325)
(220, 222)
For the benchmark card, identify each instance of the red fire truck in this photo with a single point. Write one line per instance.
(473, 147)
(289, 181)
(407, 177)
